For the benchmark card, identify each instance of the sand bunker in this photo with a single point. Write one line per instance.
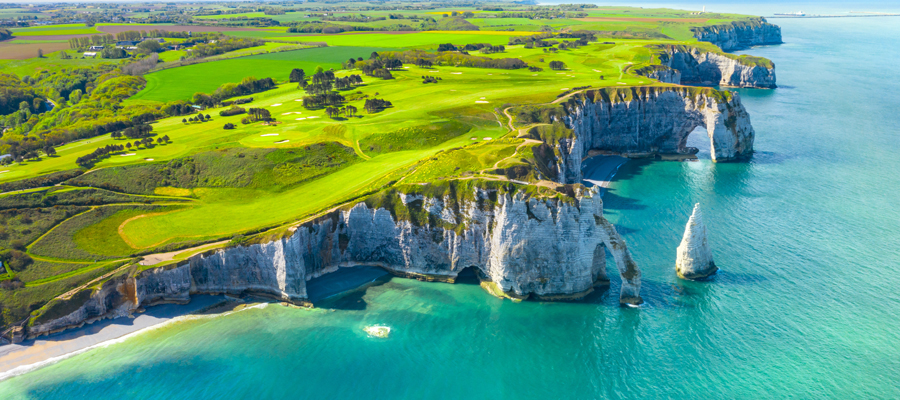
(275, 105)
(565, 88)
(481, 101)
(3, 172)
(456, 73)
(148, 159)
(292, 112)
(299, 119)
(298, 99)
(314, 116)
(487, 138)
(129, 154)
(282, 141)
(269, 134)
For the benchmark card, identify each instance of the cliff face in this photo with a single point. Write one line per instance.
(644, 122)
(694, 66)
(740, 34)
(551, 246)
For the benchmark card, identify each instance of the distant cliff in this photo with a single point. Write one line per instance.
(739, 34)
(523, 240)
(689, 65)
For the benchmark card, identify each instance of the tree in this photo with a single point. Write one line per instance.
(557, 65)
(297, 75)
(75, 96)
(166, 138)
(319, 70)
(149, 46)
(40, 53)
(349, 111)
(128, 145)
(184, 120)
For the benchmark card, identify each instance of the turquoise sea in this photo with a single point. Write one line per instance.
(806, 305)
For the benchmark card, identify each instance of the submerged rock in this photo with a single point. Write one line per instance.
(694, 259)
(378, 331)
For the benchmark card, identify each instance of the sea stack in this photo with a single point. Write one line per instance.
(694, 259)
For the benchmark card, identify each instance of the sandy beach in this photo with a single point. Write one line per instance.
(16, 359)
(599, 170)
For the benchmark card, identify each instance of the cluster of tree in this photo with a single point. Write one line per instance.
(234, 110)
(514, 40)
(199, 118)
(423, 63)
(5, 34)
(542, 14)
(223, 46)
(141, 66)
(369, 67)
(14, 259)
(113, 53)
(94, 108)
(17, 95)
(535, 69)
(557, 65)
(89, 160)
(229, 126)
(454, 59)
(297, 75)
(376, 105)
(155, 33)
(430, 79)
(352, 18)
(259, 114)
(133, 132)
(486, 48)
(322, 99)
(93, 40)
(274, 11)
(249, 85)
(322, 27)
(334, 112)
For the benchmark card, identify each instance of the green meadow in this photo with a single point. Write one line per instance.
(181, 83)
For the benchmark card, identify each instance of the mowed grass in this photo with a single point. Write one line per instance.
(47, 30)
(181, 83)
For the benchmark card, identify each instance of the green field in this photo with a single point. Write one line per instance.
(181, 83)
(414, 39)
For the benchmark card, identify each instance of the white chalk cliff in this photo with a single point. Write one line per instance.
(686, 65)
(739, 34)
(694, 259)
(526, 242)
(649, 121)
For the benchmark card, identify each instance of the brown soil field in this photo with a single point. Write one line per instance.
(10, 50)
(636, 19)
(173, 28)
(50, 37)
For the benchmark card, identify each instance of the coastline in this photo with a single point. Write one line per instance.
(599, 170)
(20, 358)
(33, 354)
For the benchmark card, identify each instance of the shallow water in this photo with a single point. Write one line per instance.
(805, 305)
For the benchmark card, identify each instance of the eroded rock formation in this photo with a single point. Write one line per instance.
(694, 259)
(648, 121)
(739, 34)
(527, 241)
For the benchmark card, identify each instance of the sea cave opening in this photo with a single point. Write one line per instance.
(699, 139)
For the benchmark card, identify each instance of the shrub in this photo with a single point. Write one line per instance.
(234, 110)
(229, 126)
